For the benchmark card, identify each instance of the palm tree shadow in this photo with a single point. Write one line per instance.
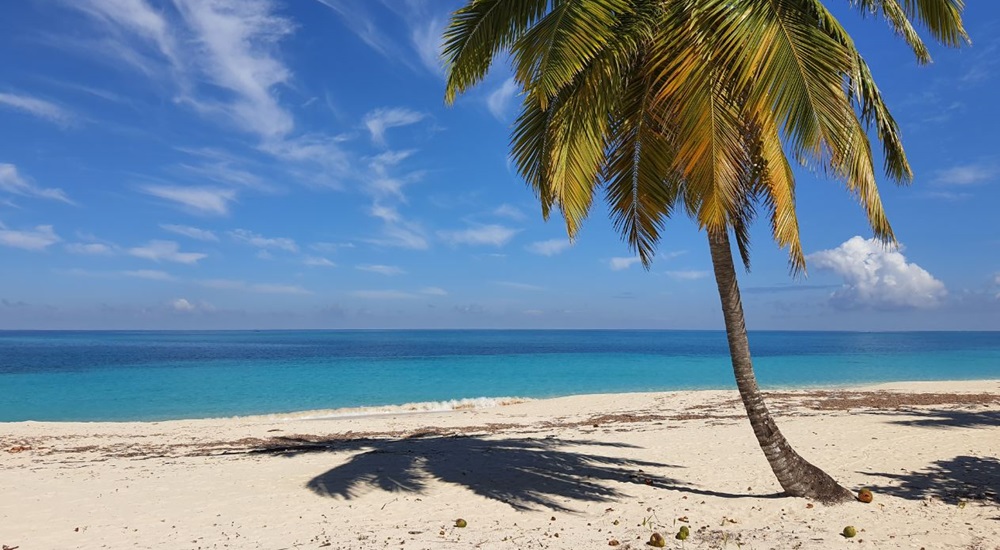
(958, 479)
(943, 418)
(525, 473)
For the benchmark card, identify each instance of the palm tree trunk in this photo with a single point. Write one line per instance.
(795, 474)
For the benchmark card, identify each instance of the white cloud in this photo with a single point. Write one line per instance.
(166, 251)
(550, 247)
(181, 304)
(388, 270)
(191, 232)
(498, 102)
(260, 288)
(38, 107)
(198, 48)
(380, 120)
(39, 238)
(688, 275)
(204, 200)
(967, 174)
(427, 40)
(382, 183)
(90, 249)
(330, 247)
(361, 24)
(877, 277)
(492, 235)
(396, 231)
(150, 274)
(509, 211)
(383, 295)
(316, 261)
(520, 286)
(13, 182)
(621, 264)
(259, 241)
(435, 291)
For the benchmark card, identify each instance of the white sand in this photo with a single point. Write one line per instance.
(537, 474)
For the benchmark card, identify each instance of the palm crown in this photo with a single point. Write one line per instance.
(692, 103)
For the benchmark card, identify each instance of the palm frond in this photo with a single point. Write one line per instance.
(478, 32)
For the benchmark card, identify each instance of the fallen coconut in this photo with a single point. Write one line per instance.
(865, 495)
(850, 531)
(657, 540)
(461, 522)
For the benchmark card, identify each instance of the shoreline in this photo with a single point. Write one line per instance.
(567, 472)
(489, 402)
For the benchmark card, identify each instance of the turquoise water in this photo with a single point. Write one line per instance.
(117, 376)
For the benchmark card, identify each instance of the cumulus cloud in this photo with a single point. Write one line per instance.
(489, 235)
(877, 277)
(621, 264)
(190, 232)
(166, 251)
(202, 200)
(39, 238)
(380, 120)
(259, 241)
(11, 181)
(37, 107)
(550, 247)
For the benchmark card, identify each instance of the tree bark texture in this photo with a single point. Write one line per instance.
(795, 474)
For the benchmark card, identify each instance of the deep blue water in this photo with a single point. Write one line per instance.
(169, 375)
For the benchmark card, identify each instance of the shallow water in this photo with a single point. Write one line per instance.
(117, 376)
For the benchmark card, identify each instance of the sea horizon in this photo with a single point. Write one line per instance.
(142, 375)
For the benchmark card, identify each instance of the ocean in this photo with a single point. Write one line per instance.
(149, 376)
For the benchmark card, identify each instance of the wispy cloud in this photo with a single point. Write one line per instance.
(509, 211)
(11, 181)
(520, 286)
(202, 200)
(426, 39)
(967, 174)
(383, 295)
(498, 102)
(190, 232)
(388, 270)
(550, 247)
(150, 275)
(39, 238)
(621, 264)
(259, 241)
(38, 107)
(259, 288)
(166, 251)
(396, 231)
(330, 247)
(358, 21)
(380, 120)
(90, 249)
(317, 261)
(437, 291)
(688, 275)
(489, 235)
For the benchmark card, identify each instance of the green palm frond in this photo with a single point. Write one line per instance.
(943, 18)
(478, 32)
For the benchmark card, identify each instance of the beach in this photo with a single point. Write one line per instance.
(585, 471)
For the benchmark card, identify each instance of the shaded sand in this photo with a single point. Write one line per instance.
(574, 472)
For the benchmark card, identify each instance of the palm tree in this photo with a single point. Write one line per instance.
(697, 104)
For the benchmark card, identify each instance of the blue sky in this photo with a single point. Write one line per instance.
(291, 164)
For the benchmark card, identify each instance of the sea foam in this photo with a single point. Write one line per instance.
(406, 408)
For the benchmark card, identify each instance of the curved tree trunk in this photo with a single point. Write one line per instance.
(795, 474)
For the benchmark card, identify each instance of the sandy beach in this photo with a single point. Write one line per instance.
(575, 472)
